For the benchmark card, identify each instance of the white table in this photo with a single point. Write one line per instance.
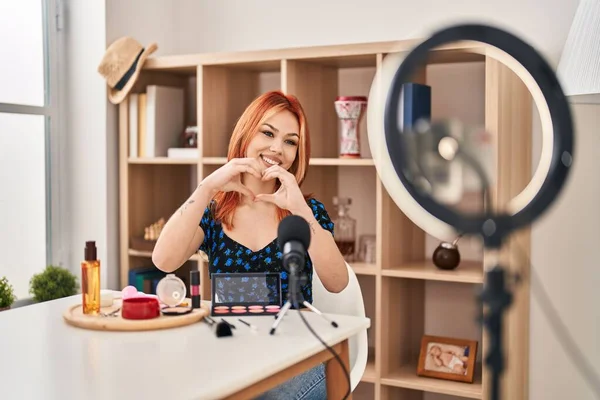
(42, 357)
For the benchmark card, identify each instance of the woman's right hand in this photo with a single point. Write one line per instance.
(228, 177)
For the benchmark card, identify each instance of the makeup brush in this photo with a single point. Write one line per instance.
(253, 327)
(223, 329)
(228, 323)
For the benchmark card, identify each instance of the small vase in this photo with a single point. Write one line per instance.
(4, 308)
(350, 111)
(446, 256)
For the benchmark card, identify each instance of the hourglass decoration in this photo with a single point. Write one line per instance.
(350, 110)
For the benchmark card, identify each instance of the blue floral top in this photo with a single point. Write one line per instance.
(227, 255)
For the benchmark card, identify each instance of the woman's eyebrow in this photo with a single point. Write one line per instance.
(277, 130)
(272, 127)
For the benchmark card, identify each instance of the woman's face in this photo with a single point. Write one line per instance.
(277, 141)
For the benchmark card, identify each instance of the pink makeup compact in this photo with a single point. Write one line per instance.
(245, 293)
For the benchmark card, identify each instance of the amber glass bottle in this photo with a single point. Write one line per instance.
(90, 280)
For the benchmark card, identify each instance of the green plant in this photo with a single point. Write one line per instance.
(7, 293)
(53, 283)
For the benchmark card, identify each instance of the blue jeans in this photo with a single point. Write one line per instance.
(309, 385)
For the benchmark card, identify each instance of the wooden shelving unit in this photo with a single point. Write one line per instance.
(397, 287)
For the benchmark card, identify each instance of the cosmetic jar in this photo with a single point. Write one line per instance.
(171, 291)
(140, 308)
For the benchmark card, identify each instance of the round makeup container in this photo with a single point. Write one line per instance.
(171, 291)
(140, 308)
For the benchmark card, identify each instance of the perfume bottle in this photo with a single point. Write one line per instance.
(345, 228)
(90, 280)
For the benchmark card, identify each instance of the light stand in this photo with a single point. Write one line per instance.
(294, 294)
(498, 299)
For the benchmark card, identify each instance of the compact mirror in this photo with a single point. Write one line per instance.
(171, 290)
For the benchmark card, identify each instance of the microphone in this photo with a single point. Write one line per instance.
(293, 238)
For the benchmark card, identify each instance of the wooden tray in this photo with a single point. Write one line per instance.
(74, 316)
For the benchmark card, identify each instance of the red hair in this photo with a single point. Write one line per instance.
(260, 110)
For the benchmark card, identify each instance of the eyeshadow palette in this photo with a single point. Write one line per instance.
(252, 293)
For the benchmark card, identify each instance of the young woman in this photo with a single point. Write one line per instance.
(234, 213)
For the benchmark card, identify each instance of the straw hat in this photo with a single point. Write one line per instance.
(121, 66)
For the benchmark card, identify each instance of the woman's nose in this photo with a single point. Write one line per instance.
(276, 146)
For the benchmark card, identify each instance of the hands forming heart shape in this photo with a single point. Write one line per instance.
(228, 178)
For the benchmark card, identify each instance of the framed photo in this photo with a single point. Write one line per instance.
(447, 358)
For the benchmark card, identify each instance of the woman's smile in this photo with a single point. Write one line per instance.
(270, 160)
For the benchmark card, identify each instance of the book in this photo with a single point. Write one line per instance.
(145, 279)
(164, 119)
(415, 104)
(141, 142)
(133, 125)
(182, 152)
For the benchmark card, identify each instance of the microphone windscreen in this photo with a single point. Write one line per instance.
(293, 228)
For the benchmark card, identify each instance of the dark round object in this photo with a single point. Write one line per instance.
(446, 256)
(223, 329)
(494, 227)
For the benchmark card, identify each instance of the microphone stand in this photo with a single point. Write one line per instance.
(293, 295)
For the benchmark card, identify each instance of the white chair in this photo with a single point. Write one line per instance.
(348, 302)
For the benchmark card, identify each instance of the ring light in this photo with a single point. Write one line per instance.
(393, 156)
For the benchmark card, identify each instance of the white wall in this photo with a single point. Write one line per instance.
(562, 247)
(242, 25)
(85, 206)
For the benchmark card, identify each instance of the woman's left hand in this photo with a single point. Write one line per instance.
(288, 196)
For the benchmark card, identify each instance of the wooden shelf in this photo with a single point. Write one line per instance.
(348, 54)
(406, 377)
(214, 160)
(163, 160)
(148, 254)
(218, 88)
(466, 272)
(364, 268)
(340, 162)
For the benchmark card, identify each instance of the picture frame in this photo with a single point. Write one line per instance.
(447, 358)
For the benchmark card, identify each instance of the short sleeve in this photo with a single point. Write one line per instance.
(321, 214)
(207, 224)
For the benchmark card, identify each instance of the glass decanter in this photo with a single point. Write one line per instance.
(345, 228)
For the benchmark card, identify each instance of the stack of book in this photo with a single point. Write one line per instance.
(145, 278)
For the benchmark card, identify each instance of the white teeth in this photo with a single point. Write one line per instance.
(269, 161)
